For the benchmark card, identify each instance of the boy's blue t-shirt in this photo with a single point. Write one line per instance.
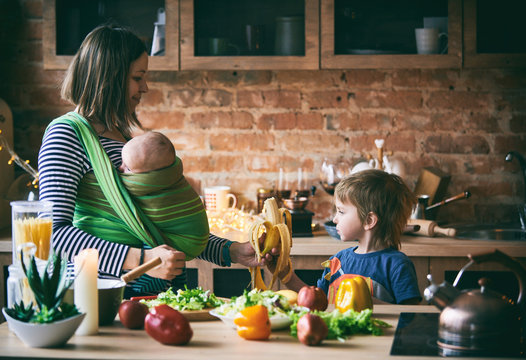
(393, 273)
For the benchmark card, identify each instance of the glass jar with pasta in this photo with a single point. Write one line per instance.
(32, 222)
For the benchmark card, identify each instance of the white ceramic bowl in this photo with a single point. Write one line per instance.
(44, 335)
(276, 322)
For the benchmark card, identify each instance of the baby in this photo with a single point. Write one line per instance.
(153, 175)
(147, 152)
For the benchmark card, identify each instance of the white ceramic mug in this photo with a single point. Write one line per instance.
(217, 198)
(427, 40)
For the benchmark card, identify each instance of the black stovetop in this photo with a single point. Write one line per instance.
(416, 334)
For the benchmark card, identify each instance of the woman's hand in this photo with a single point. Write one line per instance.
(172, 264)
(244, 254)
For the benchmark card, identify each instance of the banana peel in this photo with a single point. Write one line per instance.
(277, 229)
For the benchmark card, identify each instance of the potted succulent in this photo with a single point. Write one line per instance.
(49, 322)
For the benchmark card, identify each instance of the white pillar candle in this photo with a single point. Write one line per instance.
(280, 182)
(86, 292)
(299, 179)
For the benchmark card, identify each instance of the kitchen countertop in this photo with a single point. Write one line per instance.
(214, 340)
(323, 244)
(412, 245)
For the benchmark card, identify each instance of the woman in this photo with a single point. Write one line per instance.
(106, 81)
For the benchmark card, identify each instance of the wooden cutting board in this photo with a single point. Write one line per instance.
(198, 315)
(190, 315)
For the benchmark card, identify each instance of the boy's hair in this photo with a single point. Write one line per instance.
(97, 78)
(384, 194)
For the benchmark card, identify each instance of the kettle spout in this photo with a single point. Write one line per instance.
(440, 295)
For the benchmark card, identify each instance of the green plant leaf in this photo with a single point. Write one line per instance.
(49, 290)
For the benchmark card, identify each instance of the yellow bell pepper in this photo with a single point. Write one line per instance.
(353, 294)
(253, 323)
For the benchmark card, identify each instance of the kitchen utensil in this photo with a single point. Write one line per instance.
(254, 37)
(217, 198)
(332, 172)
(159, 36)
(262, 195)
(480, 322)
(46, 335)
(276, 322)
(32, 222)
(430, 228)
(139, 270)
(432, 182)
(290, 36)
(296, 203)
(411, 228)
(427, 40)
(301, 217)
(463, 195)
(221, 47)
(419, 211)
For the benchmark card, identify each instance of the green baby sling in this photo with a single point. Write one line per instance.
(155, 208)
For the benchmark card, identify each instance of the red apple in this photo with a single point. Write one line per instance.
(312, 330)
(132, 314)
(312, 297)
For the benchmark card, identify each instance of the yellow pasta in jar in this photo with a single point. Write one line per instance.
(34, 230)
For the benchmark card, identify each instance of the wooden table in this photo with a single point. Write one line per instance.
(213, 340)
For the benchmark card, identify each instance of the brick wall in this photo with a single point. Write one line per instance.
(239, 127)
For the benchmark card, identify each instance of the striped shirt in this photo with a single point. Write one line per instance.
(62, 162)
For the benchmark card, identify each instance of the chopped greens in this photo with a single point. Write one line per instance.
(343, 325)
(276, 304)
(187, 299)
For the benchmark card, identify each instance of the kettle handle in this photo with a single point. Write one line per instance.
(500, 257)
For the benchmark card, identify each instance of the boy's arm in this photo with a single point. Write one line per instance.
(294, 283)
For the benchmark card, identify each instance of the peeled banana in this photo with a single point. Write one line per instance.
(277, 232)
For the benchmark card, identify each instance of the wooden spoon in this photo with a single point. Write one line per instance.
(139, 270)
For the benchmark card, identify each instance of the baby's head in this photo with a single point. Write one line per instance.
(383, 194)
(147, 152)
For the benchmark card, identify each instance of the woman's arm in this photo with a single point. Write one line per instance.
(222, 252)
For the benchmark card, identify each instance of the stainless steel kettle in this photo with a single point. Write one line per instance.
(480, 322)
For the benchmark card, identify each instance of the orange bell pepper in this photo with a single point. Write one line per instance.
(253, 323)
(353, 294)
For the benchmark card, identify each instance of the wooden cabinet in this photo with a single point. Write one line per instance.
(333, 34)
(215, 34)
(494, 34)
(381, 34)
(67, 22)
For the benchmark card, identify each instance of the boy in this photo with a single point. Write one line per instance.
(372, 207)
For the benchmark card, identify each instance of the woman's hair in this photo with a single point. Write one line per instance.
(383, 194)
(97, 78)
